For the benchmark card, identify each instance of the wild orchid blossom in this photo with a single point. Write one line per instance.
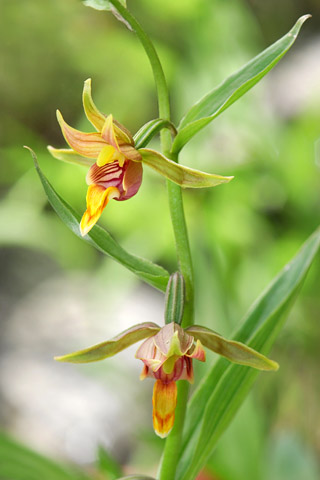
(115, 164)
(167, 354)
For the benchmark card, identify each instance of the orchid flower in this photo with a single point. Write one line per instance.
(115, 164)
(167, 354)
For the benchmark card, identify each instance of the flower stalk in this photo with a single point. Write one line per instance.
(173, 442)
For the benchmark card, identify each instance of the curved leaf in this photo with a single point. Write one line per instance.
(222, 391)
(18, 462)
(98, 237)
(215, 102)
(111, 347)
(184, 176)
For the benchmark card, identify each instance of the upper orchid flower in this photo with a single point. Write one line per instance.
(115, 164)
(114, 174)
(167, 356)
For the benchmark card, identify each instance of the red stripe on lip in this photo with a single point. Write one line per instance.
(111, 172)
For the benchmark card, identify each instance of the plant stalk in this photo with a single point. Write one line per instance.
(173, 443)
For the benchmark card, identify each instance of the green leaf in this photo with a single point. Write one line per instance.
(236, 352)
(108, 465)
(219, 99)
(101, 4)
(184, 176)
(221, 393)
(98, 237)
(112, 347)
(149, 130)
(18, 462)
(108, 5)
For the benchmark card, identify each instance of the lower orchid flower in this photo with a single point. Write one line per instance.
(167, 354)
(115, 164)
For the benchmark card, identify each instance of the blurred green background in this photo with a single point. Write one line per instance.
(58, 294)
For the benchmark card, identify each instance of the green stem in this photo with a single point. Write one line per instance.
(173, 443)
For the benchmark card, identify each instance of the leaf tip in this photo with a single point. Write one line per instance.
(296, 28)
(34, 156)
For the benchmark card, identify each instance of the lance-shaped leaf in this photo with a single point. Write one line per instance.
(113, 346)
(98, 237)
(215, 102)
(107, 465)
(113, 6)
(237, 352)
(149, 130)
(18, 462)
(222, 391)
(184, 176)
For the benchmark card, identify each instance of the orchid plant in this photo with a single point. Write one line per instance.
(115, 159)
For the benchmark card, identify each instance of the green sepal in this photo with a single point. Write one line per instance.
(236, 352)
(150, 129)
(174, 302)
(219, 99)
(111, 347)
(98, 237)
(184, 176)
(70, 156)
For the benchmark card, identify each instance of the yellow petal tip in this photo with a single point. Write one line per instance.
(59, 116)
(275, 366)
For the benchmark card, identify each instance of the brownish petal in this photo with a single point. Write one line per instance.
(197, 351)
(131, 180)
(130, 152)
(173, 340)
(86, 144)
